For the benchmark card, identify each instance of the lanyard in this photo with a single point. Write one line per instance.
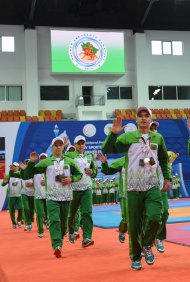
(146, 144)
(58, 166)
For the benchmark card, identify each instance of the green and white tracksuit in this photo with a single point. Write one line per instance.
(98, 195)
(105, 194)
(93, 192)
(175, 187)
(142, 181)
(118, 166)
(27, 194)
(178, 186)
(82, 194)
(161, 234)
(77, 223)
(40, 200)
(58, 197)
(14, 198)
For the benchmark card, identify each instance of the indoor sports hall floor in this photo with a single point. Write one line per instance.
(25, 257)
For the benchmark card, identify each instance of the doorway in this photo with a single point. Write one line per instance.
(87, 92)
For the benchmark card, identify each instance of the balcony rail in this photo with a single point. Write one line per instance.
(86, 100)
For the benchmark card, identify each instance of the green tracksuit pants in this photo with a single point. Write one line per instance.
(175, 193)
(12, 203)
(98, 199)
(57, 217)
(40, 208)
(111, 198)
(161, 235)
(144, 214)
(123, 223)
(28, 208)
(178, 192)
(94, 198)
(105, 198)
(77, 221)
(82, 199)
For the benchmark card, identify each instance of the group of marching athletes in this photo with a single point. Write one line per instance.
(60, 189)
(55, 187)
(105, 191)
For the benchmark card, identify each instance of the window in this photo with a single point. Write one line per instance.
(156, 47)
(183, 92)
(125, 92)
(113, 92)
(119, 92)
(169, 92)
(166, 47)
(8, 44)
(10, 93)
(177, 48)
(155, 93)
(14, 93)
(2, 93)
(54, 93)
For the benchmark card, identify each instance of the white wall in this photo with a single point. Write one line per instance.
(142, 70)
(12, 65)
(167, 69)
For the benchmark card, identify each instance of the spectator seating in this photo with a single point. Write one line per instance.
(130, 114)
(57, 115)
(20, 115)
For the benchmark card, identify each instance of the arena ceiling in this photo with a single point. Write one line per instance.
(138, 15)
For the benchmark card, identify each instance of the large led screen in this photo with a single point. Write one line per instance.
(87, 52)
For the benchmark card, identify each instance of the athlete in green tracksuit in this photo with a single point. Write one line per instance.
(82, 192)
(14, 195)
(118, 166)
(60, 172)
(161, 235)
(40, 199)
(98, 193)
(144, 152)
(178, 185)
(105, 192)
(27, 196)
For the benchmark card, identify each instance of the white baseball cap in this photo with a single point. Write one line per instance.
(15, 164)
(69, 147)
(78, 138)
(105, 180)
(143, 108)
(56, 139)
(154, 122)
(43, 154)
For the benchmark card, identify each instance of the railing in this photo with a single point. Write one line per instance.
(86, 100)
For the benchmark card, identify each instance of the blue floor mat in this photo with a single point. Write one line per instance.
(110, 216)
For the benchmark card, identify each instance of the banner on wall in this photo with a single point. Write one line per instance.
(20, 139)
